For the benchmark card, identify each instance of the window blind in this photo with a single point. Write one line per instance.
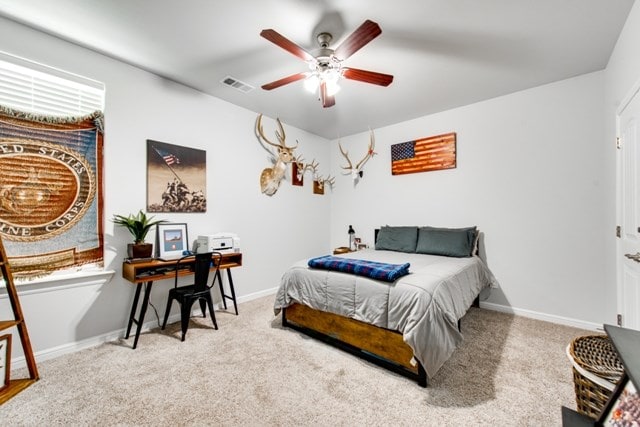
(35, 88)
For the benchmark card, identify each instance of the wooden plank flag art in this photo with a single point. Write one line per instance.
(423, 155)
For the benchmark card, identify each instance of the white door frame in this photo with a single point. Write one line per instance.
(635, 91)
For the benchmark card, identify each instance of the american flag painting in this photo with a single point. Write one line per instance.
(422, 155)
(168, 158)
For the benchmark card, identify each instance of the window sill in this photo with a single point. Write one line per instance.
(55, 282)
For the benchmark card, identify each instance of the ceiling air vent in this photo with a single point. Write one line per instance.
(237, 84)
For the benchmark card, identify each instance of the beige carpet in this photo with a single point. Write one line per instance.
(510, 371)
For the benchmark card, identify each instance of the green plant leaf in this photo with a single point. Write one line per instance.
(138, 225)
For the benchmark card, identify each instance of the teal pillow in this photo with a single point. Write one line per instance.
(400, 239)
(453, 242)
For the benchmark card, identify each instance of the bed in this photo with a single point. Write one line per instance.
(409, 325)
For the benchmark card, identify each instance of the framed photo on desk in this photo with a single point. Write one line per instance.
(171, 240)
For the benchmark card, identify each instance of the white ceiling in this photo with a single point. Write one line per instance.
(442, 53)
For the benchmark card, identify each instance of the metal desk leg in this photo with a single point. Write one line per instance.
(219, 277)
(233, 292)
(143, 310)
(133, 310)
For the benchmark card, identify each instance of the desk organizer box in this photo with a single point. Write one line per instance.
(596, 370)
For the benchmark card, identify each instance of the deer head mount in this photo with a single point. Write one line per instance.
(328, 180)
(270, 177)
(356, 171)
(318, 180)
(298, 162)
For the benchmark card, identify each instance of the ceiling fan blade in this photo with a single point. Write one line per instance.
(367, 76)
(366, 32)
(278, 39)
(327, 100)
(284, 81)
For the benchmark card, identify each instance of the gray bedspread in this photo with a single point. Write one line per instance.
(424, 306)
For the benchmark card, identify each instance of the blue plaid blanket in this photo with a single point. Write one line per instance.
(360, 267)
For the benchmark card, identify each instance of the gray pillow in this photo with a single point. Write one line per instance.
(454, 242)
(400, 239)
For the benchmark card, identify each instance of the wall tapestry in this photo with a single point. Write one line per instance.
(51, 191)
(176, 178)
(426, 154)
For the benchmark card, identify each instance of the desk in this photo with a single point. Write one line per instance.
(146, 272)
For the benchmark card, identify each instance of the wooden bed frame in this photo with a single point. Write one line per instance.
(381, 346)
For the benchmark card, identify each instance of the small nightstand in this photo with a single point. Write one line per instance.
(341, 250)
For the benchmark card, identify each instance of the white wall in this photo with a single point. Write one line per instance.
(529, 175)
(274, 231)
(622, 73)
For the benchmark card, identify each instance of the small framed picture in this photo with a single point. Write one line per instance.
(297, 174)
(5, 360)
(172, 240)
(622, 405)
(318, 187)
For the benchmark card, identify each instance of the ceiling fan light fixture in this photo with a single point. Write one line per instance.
(330, 75)
(332, 87)
(311, 83)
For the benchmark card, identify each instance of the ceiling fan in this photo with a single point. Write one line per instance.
(326, 65)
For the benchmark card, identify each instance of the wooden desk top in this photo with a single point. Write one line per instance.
(156, 269)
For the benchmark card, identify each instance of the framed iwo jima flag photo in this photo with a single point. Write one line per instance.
(176, 178)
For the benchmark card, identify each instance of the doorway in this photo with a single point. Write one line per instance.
(628, 206)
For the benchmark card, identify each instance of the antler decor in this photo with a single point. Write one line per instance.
(313, 167)
(328, 180)
(299, 168)
(318, 180)
(356, 171)
(270, 177)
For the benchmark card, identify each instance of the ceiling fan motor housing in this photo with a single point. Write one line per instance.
(324, 56)
(324, 39)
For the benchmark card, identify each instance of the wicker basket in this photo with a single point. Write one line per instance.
(596, 370)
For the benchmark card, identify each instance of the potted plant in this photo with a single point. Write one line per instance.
(138, 225)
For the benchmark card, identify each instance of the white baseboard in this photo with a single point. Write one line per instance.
(72, 347)
(54, 352)
(542, 316)
(257, 295)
